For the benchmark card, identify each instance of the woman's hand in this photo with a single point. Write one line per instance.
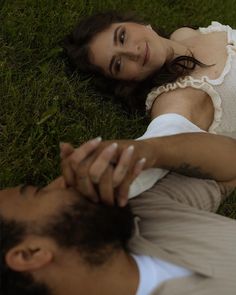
(104, 170)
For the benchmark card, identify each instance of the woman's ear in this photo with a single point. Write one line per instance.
(31, 254)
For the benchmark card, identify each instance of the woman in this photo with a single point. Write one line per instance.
(186, 81)
(190, 74)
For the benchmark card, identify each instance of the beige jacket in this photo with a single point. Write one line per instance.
(176, 222)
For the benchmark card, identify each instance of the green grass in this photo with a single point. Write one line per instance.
(40, 105)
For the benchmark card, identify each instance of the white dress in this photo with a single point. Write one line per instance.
(221, 90)
(223, 94)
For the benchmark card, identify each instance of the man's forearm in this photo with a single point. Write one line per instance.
(200, 155)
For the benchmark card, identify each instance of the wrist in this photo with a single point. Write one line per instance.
(156, 152)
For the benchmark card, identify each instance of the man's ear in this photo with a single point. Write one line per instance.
(149, 27)
(31, 254)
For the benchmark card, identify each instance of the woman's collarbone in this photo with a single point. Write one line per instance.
(212, 53)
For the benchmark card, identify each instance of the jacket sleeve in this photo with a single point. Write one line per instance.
(175, 188)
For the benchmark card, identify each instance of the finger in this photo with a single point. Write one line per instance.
(102, 162)
(123, 166)
(123, 190)
(83, 183)
(80, 161)
(86, 188)
(67, 173)
(106, 191)
(85, 150)
(138, 168)
(66, 149)
(76, 156)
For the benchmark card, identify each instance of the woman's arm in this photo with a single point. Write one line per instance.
(196, 154)
(200, 155)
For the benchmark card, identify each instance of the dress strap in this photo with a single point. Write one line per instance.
(218, 27)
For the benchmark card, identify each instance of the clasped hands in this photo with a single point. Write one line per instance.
(104, 170)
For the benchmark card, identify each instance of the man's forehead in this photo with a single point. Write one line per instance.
(8, 199)
(20, 203)
(30, 202)
(10, 191)
(13, 193)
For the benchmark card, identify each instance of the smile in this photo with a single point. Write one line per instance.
(146, 55)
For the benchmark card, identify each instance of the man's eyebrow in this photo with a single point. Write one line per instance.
(38, 189)
(23, 188)
(115, 37)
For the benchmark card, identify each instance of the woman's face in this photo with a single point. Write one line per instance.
(128, 51)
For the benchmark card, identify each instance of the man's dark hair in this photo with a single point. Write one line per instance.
(96, 230)
(132, 94)
(12, 282)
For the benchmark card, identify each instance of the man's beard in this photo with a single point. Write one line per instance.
(96, 230)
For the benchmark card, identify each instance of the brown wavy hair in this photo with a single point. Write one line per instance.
(132, 94)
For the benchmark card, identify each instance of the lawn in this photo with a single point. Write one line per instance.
(42, 104)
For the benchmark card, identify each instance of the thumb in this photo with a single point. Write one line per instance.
(66, 149)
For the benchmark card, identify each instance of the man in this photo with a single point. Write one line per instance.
(54, 241)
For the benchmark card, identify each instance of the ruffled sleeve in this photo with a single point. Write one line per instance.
(189, 81)
(214, 27)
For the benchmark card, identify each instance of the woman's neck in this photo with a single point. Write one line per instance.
(175, 49)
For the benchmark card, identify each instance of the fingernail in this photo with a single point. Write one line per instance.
(142, 161)
(122, 202)
(130, 149)
(97, 139)
(113, 147)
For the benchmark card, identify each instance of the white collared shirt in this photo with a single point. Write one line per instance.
(154, 271)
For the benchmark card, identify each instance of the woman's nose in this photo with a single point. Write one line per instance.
(131, 53)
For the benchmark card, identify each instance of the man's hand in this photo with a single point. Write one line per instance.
(105, 170)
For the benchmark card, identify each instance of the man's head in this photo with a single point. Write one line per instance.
(44, 230)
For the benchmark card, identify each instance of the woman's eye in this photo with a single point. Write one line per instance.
(122, 37)
(117, 66)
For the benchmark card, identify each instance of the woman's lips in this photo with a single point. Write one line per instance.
(146, 55)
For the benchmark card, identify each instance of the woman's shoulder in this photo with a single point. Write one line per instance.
(179, 102)
(168, 101)
(183, 33)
